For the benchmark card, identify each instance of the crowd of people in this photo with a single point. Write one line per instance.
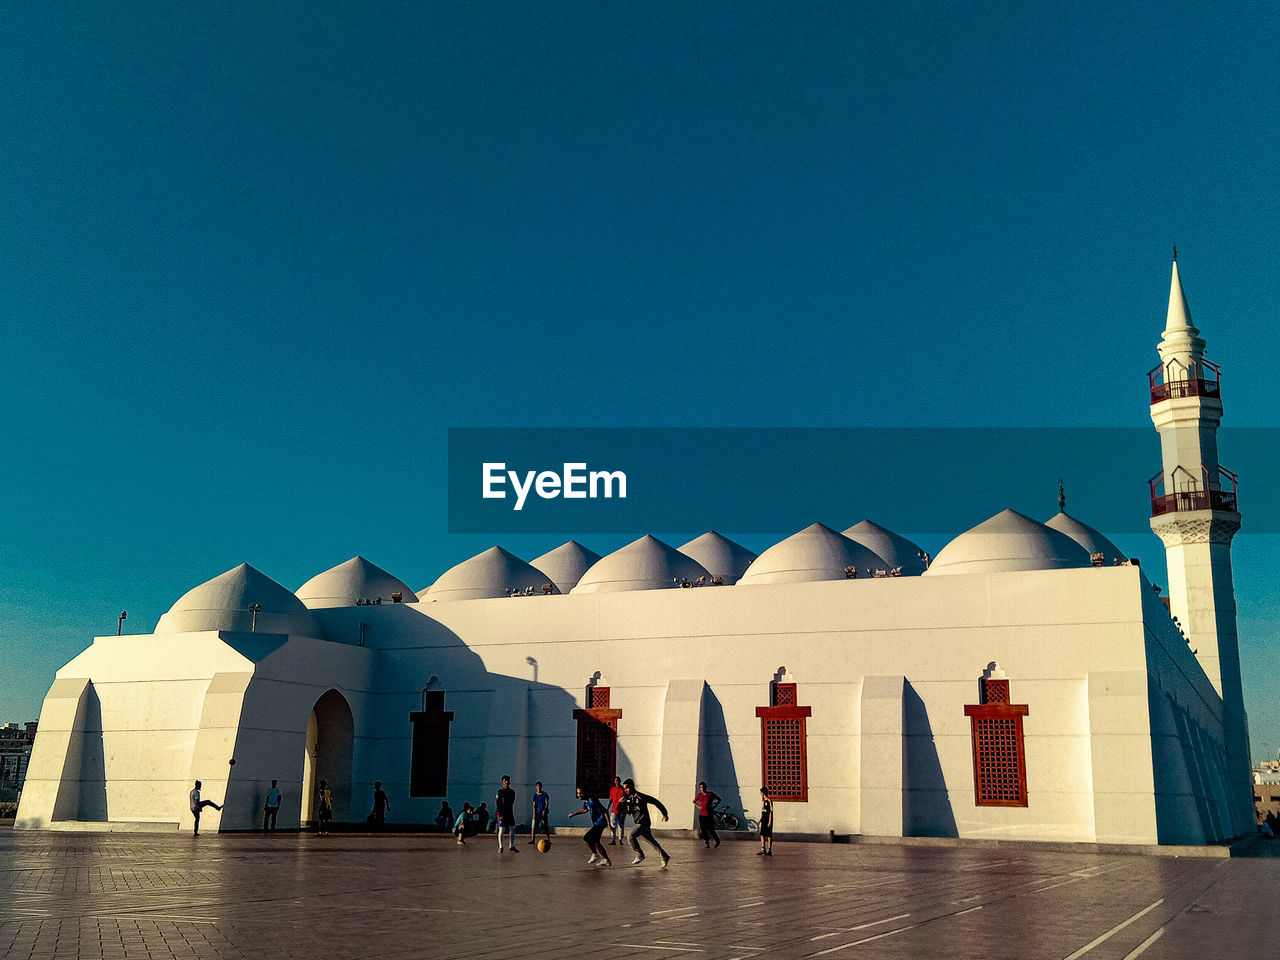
(604, 811)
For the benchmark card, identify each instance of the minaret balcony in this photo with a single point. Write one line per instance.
(1175, 380)
(1200, 497)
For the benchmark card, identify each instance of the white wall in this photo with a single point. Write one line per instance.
(886, 665)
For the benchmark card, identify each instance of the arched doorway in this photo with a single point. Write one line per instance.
(330, 734)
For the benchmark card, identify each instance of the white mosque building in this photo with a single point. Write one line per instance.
(1030, 683)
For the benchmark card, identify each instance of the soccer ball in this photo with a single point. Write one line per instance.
(544, 845)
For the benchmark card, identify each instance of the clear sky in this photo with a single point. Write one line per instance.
(255, 259)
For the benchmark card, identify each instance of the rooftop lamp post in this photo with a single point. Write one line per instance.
(254, 608)
(120, 622)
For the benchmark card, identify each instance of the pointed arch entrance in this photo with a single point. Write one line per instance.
(330, 736)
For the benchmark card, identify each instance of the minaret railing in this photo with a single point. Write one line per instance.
(1199, 498)
(1164, 387)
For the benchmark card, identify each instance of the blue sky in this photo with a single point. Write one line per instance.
(257, 259)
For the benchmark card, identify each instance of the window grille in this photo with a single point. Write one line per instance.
(785, 769)
(994, 691)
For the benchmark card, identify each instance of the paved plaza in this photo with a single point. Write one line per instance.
(406, 896)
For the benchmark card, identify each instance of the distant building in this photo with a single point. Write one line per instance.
(1266, 788)
(15, 754)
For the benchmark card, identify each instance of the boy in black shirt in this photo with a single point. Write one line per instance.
(504, 814)
(638, 809)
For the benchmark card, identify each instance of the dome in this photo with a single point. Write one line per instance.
(565, 565)
(721, 556)
(223, 604)
(494, 573)
(357, 579)
(1006, 542)
(646, 564)
(1086, 536)
(815, 553)
(895, 550)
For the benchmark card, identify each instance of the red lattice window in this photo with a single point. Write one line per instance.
(784, 764)
(999, 754)
(1001, 775)
(597, 742)
(993, 691)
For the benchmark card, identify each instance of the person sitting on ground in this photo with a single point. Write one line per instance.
(462, 826)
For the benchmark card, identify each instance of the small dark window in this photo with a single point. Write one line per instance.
(429, 753)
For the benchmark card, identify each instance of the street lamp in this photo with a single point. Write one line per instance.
(120, 622)
(255, 609)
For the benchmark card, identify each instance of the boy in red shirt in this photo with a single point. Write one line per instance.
(706, 801)
(617, 814)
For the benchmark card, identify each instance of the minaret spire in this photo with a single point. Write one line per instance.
(1179, 316)
(1062, 498)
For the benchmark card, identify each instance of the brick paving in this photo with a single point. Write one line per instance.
(409, 896)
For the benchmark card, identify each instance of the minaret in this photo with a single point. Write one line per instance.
(1194, 511)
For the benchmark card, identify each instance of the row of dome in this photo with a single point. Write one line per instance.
(244, 599)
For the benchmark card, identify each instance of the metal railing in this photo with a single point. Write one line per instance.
(1192, 500)
(1198, 387)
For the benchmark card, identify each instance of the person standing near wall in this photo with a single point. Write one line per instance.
(599, 814)
(504, 814)
(271, 809)
(617, 812)
(444, 819)
(197, 805)
(541, 812)
(324, 815)
(381, 805)
(766, 824)
(706, 801)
